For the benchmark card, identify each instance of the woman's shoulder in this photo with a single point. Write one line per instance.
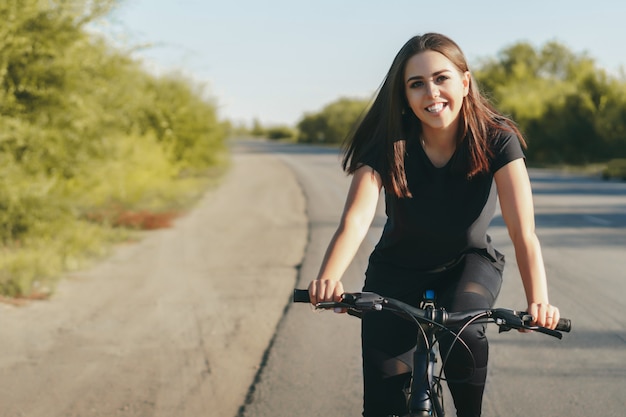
(505, 147)
(502, 136)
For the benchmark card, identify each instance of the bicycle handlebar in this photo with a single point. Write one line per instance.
(506, 319)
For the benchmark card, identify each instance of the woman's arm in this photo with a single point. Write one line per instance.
(516, 201)
(356, 219)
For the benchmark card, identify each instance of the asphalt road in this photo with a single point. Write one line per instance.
(313, 367)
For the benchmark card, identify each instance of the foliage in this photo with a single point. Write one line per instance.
(616, 168)
(183, 121)
(570, 110)
(333, 123)
(257, 128)
(280, 132)
(85, 130)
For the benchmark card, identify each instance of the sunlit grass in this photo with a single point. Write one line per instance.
(31, 266)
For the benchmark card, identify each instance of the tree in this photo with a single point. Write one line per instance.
(559, 99)
(333, 123)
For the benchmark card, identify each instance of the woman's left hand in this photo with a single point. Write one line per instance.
(544, 315)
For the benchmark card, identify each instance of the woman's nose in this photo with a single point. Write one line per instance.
(433, 90)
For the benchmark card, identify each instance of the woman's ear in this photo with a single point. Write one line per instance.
(467, 79)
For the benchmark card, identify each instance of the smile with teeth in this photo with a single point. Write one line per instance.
(435, 108)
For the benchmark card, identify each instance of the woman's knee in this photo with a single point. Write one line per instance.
(466, 354)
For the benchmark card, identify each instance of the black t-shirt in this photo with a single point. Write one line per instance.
(448, 214)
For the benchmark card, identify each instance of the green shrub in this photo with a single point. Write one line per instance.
(32, 266)
(333, 124)
(280, 132)
(91, 144)
(615, 168)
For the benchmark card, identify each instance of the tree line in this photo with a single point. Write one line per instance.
(90, 141)
(570, 110)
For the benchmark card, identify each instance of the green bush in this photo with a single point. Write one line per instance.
(90, 142)
(280, 132)
(32, 266)
(570, 110)
(615, 168)
(333, 124)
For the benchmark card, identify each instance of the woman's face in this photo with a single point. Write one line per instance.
(435, 89)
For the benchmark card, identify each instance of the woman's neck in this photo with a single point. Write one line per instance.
(440, 138)
(438, 145)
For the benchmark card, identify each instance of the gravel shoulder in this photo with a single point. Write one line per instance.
(174, 325)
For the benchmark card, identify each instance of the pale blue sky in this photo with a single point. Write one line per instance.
(277, 59)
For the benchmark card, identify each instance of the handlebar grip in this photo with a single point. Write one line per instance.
(301, 296)
(565, 325)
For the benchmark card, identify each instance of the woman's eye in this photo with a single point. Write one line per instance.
(442, 78)
(416, 84)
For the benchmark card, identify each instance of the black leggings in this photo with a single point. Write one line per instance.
(388, 341)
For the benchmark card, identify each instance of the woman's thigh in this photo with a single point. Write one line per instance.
(476, 285)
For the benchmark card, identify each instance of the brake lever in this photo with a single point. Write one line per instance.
(327, 305)
(507, 321)
(365, 300)
(359, 301)
(545, 330)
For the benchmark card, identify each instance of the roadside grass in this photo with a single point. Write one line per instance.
(615, 168)
(31, 268)
(108, 207)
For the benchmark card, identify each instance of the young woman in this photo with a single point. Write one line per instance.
(442, 154)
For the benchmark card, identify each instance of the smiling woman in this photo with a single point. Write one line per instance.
(443, 155)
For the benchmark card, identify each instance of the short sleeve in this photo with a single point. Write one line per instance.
(506, 148)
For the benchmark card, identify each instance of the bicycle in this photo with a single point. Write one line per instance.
(424, 395)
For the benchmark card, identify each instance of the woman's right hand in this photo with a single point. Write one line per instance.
(325, 290)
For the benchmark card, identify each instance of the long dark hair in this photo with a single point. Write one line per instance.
(390, 121)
